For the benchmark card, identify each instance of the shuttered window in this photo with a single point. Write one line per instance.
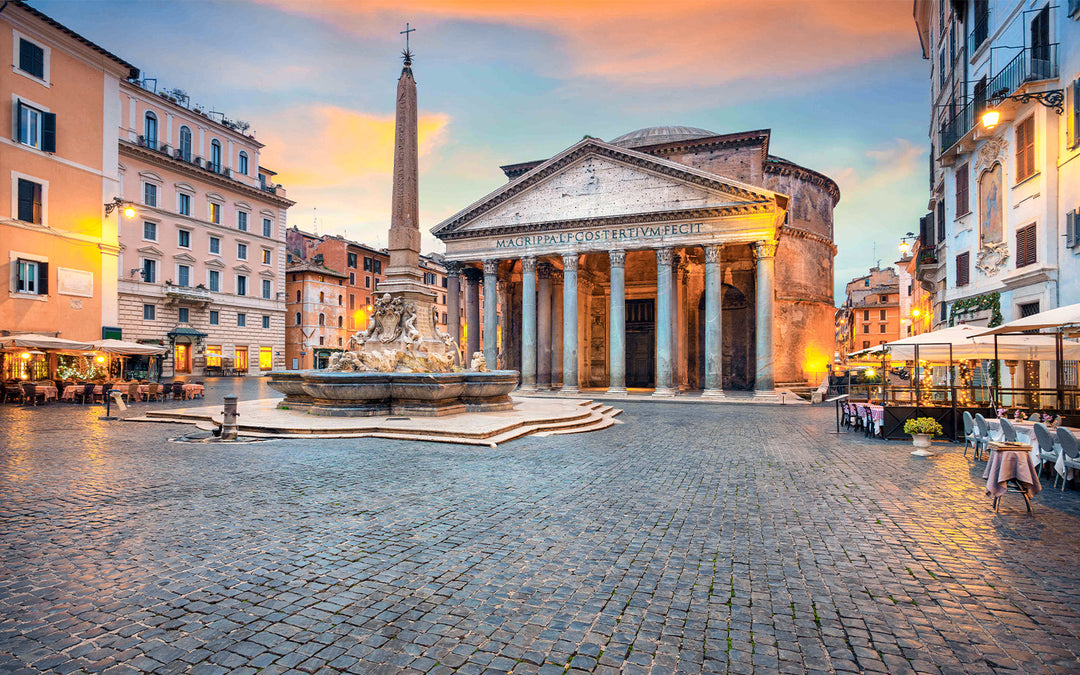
(963, 205)
(1025, 149)
(1025, 246)
(29, 209)
(1072, 228)
(963, 269)
(31, 59)
(941, 221)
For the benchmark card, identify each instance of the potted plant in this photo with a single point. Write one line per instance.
(922, 429)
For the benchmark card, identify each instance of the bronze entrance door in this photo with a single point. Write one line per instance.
(640, 343)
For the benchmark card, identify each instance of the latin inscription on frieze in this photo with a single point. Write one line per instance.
(613, 235)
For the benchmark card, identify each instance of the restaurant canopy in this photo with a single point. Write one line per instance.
(966, 342)
(35, 341)
(1066, 319)
(129, 348)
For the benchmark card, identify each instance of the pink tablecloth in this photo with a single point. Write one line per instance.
(1007, 465)
(48, 390)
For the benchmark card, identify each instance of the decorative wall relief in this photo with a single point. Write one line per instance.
(992, 258)
(991, 151)
(990, 201)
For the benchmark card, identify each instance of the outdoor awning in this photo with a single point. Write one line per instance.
(34, 341)
(184, 331)
(1065, 318)
(129, 348)
(971, 342)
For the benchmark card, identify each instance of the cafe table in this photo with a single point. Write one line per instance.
(1010, 465)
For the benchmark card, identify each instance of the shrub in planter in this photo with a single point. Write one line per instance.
(927, 426)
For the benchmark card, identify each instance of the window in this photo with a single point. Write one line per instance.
(866, 315)
(268, 227)
(215, 245)
(883, 298)
(1072, 228)
(963, 206)
(340, 321)
(213, 322)
(213, 355)
(866, 344)
(941, 221)
(215, 213)
(1076, 113)
(266, 358)
(148, 312)
(266, 321)
(378, 266)
(866, 328)
(1029, 309)
(149, 271)
(149, 231)
(150, 130)
(241, 251)
(352, 260)
(240, 361)
(367, 264)
(963, 270)
(31, 277)
(1025, 149)
(37, 128)
(183, 238)
(881, 328)
(185, 144)
(322, 319)
(241, 220)
(882, 315)
(352, 301)
(183, 204)
(266, 256)
(1025, 246)
(215, 156)
(149, 194)
(298, 318)
(340, 301)
(241, 320)
(367, 282)
(352, 278)
(241, 284)
(31, 59)
(183, 315)
(267, 288)
(298, 292)
(214, 280)
(243, 163)
(183, 275)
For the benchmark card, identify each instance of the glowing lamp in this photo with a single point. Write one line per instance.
(904, 247)
(129, 211)
(990, 118)
(101, 359)
(915, 312)
(870, 372)
(25, 355)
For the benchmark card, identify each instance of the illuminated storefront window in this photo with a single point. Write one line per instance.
(266, 358)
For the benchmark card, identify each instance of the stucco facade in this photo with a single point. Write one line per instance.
(671, 258)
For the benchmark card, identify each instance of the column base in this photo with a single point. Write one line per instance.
(568, 389)
(664, 392)
(767, 395)
(527, 387)
(713, 393)
(616, 391)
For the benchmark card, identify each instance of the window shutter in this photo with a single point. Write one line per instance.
(1032, 257)
(1076, 111)
(48, 132)
(43, 278)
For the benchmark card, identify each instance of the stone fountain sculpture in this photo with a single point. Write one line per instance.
(402, 363)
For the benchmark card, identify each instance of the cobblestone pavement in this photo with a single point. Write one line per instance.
(689, 539)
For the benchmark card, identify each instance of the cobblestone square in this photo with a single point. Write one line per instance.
(690, 539)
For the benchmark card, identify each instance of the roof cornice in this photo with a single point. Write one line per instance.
(121, 67)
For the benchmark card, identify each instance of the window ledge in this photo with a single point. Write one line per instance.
(19, 71)
(27, 296)
(1025, 180)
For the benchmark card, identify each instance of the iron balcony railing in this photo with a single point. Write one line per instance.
(1031, 64)
(979, 33)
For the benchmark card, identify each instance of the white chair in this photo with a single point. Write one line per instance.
(970, 437)
(1047, 452)
(1071, 451)
(983, 436)
(1008, 431)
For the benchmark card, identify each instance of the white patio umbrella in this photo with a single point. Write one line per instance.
(124, 348)
(35, 341)
(1064, 319)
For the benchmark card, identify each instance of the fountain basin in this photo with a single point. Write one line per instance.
(371, 394)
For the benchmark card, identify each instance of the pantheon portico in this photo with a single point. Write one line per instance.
(670, 259)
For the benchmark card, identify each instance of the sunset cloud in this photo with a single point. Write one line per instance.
(678, 42)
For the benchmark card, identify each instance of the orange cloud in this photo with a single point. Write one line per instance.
(677, 42)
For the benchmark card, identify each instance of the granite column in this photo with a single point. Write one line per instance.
(664, 258)
(453, 305)
(765, 257)
(617, 324)
(714, 361)
(472, 313)
(491, 314)
(570, 324)
(528, 324)
(543, 326)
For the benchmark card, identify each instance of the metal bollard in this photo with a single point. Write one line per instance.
(229, 429)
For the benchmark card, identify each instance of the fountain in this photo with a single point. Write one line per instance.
(402, 364)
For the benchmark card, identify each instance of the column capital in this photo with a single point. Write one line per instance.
(556, 276)
(472, 275)
(543, 270)
(765, 248)
(665, 256)
(502, 285)
(570, 262)
(528, 264)
(713, 252)
(491, 266)
(453, 268)
(618, 257)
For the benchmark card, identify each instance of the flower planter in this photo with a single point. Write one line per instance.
(922, 445)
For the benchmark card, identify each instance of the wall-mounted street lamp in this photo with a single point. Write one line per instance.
(117, 203)
(1052, 98)
(905, 243)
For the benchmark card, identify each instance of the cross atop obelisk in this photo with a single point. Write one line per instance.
(407, 53)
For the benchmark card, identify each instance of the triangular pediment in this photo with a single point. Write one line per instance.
(151, 250)
(184, 258)
(594, 180)
(241, 268)
(215, 263)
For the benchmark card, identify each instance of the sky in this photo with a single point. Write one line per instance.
(841, 84)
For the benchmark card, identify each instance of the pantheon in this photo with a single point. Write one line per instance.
(670, 258)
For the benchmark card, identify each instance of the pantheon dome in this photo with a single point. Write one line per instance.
(657, 135)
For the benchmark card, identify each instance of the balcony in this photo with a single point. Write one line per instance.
(195, 295)
(979, 33)
(927, 268)
(1030, 65)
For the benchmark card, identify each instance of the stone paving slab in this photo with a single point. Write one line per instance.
(688, 540)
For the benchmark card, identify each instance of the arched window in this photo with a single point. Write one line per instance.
(150, 130)
(339, 301)
(185, 144)
(215, 156)
(243, 163)
(322, 319)
(298, 318)
(321, 297)
(298, 296)
(340, 321)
